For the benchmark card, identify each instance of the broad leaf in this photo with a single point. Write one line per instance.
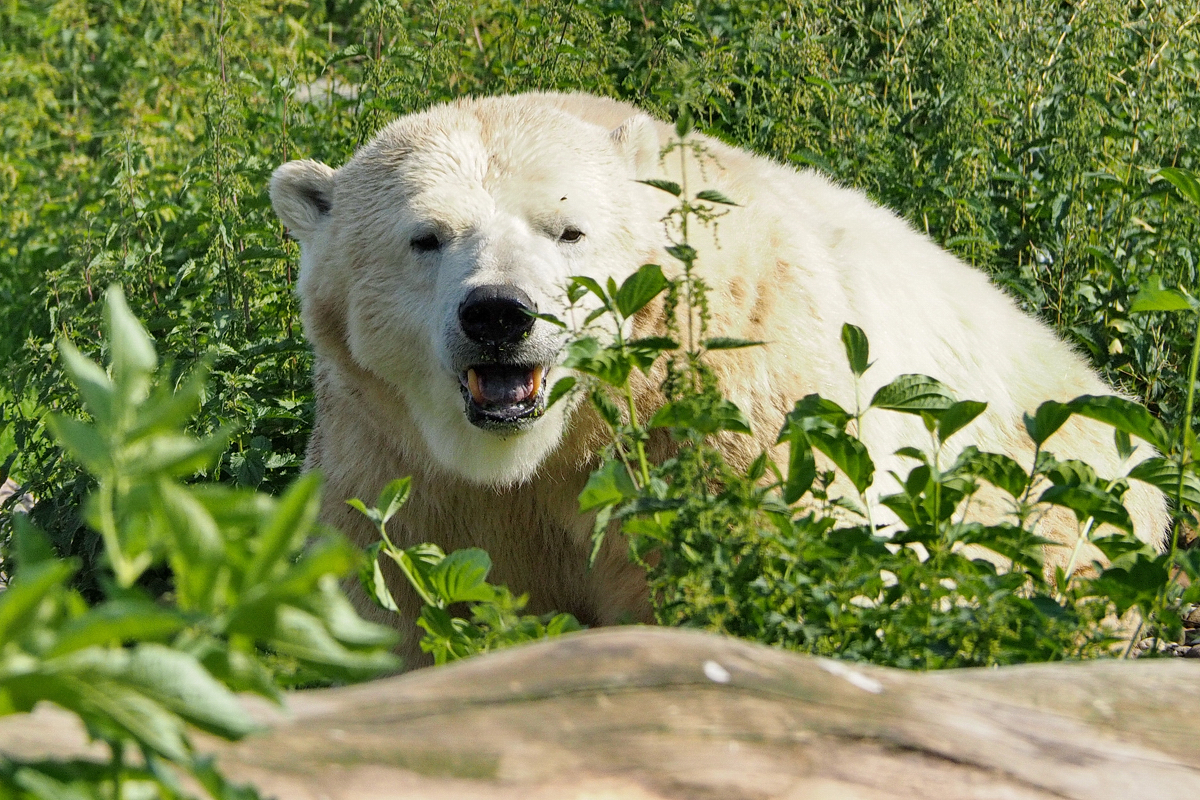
(728, 343)
(713, 196)
(392, 497)
(1185, 181)
(1164, 474)
(1153, 296)
(607, 486)
(1049, 417)
(639, 289)
(1122, 414)
(953, 419)
(670, 187)
(461, 577)
(913, 394)
(857, 348)
(998, 470)
(802, 467)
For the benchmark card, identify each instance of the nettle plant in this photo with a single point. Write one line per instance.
(771, 553)
(255, 602)
(441, 580)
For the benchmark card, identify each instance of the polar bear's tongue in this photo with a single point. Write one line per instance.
(497, 385)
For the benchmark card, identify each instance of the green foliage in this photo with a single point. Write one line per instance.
(441, 581)
(139, 136)
(798, 562)
(251, 591)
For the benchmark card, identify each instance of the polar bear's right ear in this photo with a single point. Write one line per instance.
(637, 140)
(302, 194)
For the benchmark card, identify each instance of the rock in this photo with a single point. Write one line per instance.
(634, 713)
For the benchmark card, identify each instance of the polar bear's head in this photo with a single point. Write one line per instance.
(424, 258)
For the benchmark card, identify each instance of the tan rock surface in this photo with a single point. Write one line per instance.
(654, 713)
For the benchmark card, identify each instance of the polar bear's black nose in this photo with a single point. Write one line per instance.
(496, 314)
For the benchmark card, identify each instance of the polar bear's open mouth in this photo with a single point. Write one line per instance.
(503, 395)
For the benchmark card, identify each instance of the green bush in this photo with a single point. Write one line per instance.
(253, 596)
(139, 136)
(776, 560)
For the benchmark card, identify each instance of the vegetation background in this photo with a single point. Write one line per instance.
(138, 137)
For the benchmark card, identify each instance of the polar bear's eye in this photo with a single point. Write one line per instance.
(426, 243)
(570, 235)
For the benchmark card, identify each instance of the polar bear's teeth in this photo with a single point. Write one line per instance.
(502, 386)
(536, 381)
(473, 387)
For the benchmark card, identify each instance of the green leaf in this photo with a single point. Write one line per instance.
(645, 352)
(847, 453)
(1164, 474)
(553, 320)
(639, 289)
(713, 196)
(728, 343)
(43, 787)
(575, 291)
(1153, 296)
(1072, 472)
(416, 562)
(30, 545)
(607, 486)
(1125, 415)
(333, 609)
(857, 348)
(608, 364)
(301, 634)
(705, 419)
(461, 577)
(1049, 417)
(912, 394)
(287, 527)
(116, 622)
(998, 470)
(130, 347)
(21, 598)
(813, 405)
(592, 286)
(174, 454)
(392, 497)
(683, 252)
(362, 508)
(958, 416)
(371, 577)
(171, 679)
(91, 380)
(169, 410)
(802, 467)
(1088, 500)
(561, 389)
(1185, 181)
(670, 187)
(83, 442)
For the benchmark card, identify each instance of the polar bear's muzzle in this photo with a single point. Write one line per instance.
(504, 388)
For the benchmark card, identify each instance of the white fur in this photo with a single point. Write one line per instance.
(498, 178)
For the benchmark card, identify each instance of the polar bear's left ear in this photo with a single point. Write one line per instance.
(637, 140)
(302, 194)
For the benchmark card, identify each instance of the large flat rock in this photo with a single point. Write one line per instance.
(658, 713)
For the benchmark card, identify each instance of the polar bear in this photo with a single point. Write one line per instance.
(422, 256)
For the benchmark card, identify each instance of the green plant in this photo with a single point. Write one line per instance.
(791, 562)
(247, 588)
(441, 581)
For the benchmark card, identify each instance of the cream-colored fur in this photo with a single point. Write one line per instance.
(497, 180)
